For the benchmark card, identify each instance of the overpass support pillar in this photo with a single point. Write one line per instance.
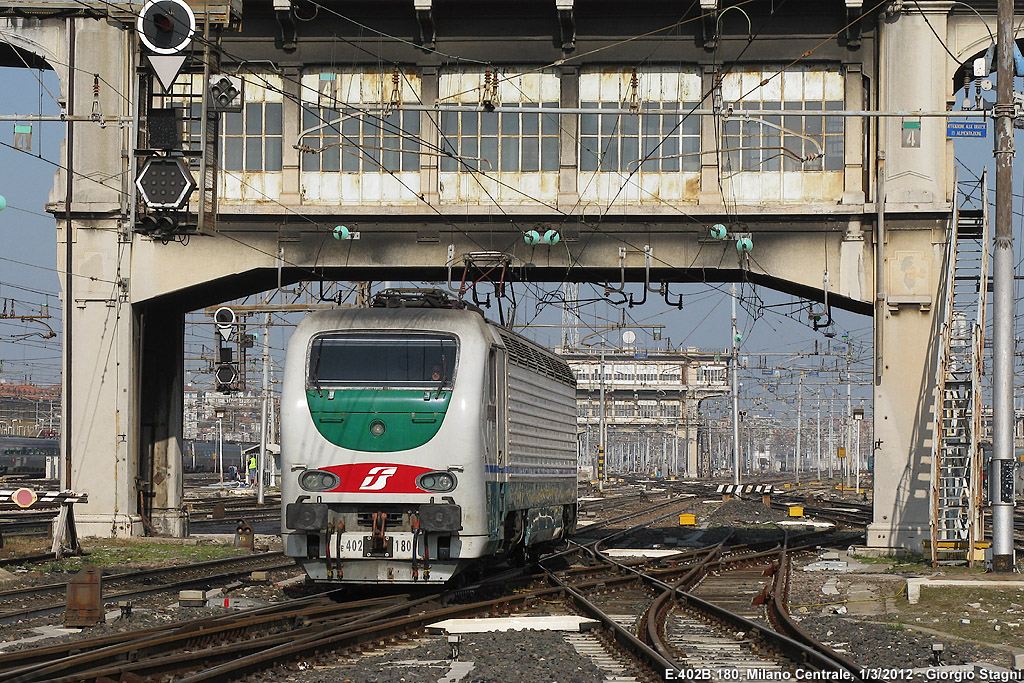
(100, 385)
(690, 468)
(161, 417)
(913, 169)
(904, 393)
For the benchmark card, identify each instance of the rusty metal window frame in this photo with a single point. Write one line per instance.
(524, 140)
(355, 121)
(259, 147)
(251, 140)
(514, 142)
(748, 145)
(657, 143)
(357, 141)
(669, 143)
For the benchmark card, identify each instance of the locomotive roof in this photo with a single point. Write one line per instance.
(440, 319)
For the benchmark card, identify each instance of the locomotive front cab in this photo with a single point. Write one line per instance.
(375, 494)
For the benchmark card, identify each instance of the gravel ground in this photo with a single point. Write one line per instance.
(876, 645)
(854, 611)
(866, 627)
(523, 656)
(156, 610)
(739, 511)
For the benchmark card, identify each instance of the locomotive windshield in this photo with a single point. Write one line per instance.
(389, 360)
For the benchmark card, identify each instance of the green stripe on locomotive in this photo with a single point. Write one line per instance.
(411, 417)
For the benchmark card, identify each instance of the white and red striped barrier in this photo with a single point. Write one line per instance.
(739, 489)
(25, 498)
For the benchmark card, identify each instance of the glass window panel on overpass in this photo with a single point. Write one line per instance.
(506, 156)
(639, 157)
(250, 145)
(359, 146)
(769, 158)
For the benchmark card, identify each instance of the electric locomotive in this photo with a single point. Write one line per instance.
(418, 439)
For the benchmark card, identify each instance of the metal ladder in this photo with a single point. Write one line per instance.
(200, 132)
(956, 458)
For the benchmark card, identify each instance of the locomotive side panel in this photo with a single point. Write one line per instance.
(537, 480)
(542, 452)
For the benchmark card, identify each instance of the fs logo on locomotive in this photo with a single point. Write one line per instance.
(377, 478)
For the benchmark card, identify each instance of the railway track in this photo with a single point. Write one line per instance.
(228, 646)
(30, 602)
(712, 618)
(27, 559)
(250, 515)
(625, 595)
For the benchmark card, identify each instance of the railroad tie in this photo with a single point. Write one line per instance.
(588, 645)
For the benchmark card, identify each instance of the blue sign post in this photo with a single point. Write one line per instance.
(966, 129)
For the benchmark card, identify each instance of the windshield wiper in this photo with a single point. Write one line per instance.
(444, 373)
(316, 367)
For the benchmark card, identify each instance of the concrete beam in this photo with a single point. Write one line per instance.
(791, 261)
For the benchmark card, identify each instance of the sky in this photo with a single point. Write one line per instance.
(771, 322)
(27, 233)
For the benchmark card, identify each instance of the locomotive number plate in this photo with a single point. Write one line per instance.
(397, 546)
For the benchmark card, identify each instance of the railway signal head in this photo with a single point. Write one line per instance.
(226, 93)
(165, 183)
(166, 27)
(157, 224)
(226, 375)
(225, 319)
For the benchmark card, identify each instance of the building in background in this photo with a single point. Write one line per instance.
(651, 403)
(240, 415)
(28, 410)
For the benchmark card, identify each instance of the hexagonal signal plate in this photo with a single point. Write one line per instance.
(165, 183)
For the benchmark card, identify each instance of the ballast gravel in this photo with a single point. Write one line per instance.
(872, 639)
(743, 511)
(509, 657)
(877, 646)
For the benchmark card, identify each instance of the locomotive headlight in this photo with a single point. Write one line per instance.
(436, 481)
(318, 480)
(377, 428)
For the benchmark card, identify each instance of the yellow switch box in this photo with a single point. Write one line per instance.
(796, 511)
(687, 520)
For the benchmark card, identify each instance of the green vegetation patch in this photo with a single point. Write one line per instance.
(140, 553)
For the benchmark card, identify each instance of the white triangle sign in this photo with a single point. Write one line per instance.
(166, 68)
